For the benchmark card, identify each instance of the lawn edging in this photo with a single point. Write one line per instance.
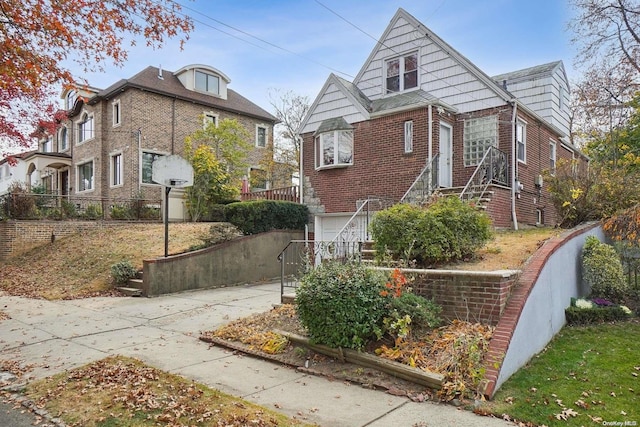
(534, 313)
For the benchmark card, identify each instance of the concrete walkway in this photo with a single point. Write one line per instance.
(163, 332)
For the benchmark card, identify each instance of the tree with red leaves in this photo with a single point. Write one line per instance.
(38, 36)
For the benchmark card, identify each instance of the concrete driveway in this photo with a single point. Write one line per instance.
(163, 332)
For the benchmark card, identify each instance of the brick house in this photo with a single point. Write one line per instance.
(420, 117)
(105, 148)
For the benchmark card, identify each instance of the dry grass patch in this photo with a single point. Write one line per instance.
(120, 391)
(79, 266)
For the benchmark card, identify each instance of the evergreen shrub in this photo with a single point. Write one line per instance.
(602, 270)
(259, 216)
(341, 305)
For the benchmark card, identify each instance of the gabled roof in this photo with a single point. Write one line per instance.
(423, 30)
(169, 85)
(530, 73)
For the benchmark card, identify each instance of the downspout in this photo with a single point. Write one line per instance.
(514, 218)
(430, 141)
(301, 177)
(173, 125)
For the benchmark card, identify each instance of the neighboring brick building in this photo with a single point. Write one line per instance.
(418, 105)
(106, 147)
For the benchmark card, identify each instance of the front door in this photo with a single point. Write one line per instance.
(64, 183)
(445, 161)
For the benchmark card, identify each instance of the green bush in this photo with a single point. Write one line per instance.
(93, 211)
(121, 212)
(586, 316)
(602, 270)
(424, 313)
(264, 215)
(447, 230)
(341, 305)
(123, 271)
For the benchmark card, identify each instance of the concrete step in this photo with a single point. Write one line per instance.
(135, 283)
(131, 292)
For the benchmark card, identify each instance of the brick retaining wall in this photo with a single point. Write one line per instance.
(18, 237)
(474, 296)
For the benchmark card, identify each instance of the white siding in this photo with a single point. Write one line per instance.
(440, 74)
(331, 104)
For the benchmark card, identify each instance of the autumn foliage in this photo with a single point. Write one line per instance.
(38, 38)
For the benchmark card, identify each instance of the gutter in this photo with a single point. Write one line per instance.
(514, 117)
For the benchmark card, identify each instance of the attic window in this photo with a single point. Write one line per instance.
(402, 73)
(205, 82)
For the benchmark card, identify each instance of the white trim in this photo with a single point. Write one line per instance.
(266, 135)
(93, 175)
(80, 121)
(140, 168)
(116, 113)
(121, 172)
(207, 115)
(408, 137)
(523, 124)
(553, 155)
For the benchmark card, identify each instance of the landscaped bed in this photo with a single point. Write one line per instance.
(454, 352)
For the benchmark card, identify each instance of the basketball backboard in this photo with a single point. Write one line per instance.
(172, 171)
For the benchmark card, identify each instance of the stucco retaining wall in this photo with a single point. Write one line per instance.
(535, 311)
(249, 259)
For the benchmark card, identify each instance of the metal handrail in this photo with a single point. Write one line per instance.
(492, 168)
(431, 183)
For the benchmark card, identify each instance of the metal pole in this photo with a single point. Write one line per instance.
(166, 221)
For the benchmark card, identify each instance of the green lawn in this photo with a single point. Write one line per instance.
(586, 376)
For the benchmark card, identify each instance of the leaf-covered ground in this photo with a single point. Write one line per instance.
(455, 351)
(120, 391)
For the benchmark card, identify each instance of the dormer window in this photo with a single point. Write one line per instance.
(402, 73)
(70, 99)
(205, 82)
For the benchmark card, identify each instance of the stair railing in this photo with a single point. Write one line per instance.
(491, 169)
(348, 242)
(424, 185)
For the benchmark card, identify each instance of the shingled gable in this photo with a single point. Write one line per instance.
(171, 86)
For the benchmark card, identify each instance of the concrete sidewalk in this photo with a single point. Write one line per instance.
(163, 332)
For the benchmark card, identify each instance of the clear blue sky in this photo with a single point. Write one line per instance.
(497, 35)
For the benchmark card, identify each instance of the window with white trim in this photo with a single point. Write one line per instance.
(334, 148)
(552, 157)
(47, 145)
(206, 82)
(209, 118)
(408, 136)
(116, 169)
(261, 136)
(401, 73)
(85, 128)
(85, 176)
(146, 170)
(479, 135)
(63, 139)
(70, 99)
(521, 141)
(117, 113)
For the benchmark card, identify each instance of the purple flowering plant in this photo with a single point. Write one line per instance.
(601, 302)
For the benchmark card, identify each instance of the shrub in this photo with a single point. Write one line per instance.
(602, 270)
(218, 233)
(22, 205)
(264, 215)
(93, 211)
(121, 212)
(585, 312)
(424, 313)
(447, 230)
(341, 305)
(123, 271)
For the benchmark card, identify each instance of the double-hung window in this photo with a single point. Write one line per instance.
(521, 141)
(146, 167)
(402, 73)
(479, 136)
(85, 176)
(209, 118)
(85, 128)
(334, 148)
